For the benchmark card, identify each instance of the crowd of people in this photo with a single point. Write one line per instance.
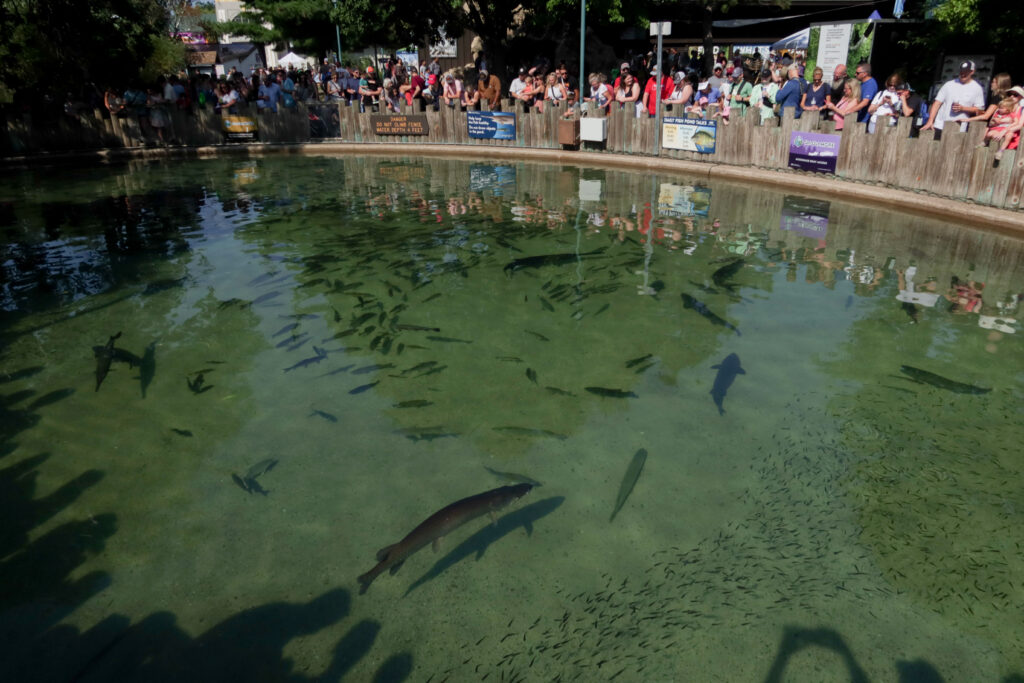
(739, 83)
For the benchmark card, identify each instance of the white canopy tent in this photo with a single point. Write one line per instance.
(292, 59)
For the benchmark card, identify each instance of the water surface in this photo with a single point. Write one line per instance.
(383, 331)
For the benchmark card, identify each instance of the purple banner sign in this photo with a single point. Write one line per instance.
(813, 152)
(805, 216)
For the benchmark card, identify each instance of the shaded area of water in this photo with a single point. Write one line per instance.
(316, 354)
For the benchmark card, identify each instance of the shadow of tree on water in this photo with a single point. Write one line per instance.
(795, 639)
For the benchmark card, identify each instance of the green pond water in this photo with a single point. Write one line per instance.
(818, 507)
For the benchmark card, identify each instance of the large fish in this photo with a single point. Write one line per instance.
(104, 356)
(439, 525)
(727, 371)
(722, 276)
(547, 260)
(925, 377)
(704, 311)
(636, 466)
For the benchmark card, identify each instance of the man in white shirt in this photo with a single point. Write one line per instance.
(958, 100)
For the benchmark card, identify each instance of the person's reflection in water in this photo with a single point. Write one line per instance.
(909, 292)
(965, 295)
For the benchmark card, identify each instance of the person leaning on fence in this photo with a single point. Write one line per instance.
(792, 93)
(814, 96)
(554, 91)
(1000, 86)
(627, 96)
(682, 91)
(489, 86)
(739, 90)
(885, 105)
(958, 100)
(847, 105)
(1009, 137)
(911, 105)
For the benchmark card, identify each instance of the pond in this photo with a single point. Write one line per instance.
(694, 431)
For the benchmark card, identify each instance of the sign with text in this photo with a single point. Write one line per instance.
(833, 44)
(494, 125)
(689, 135)
(805, 216)
(813, 151)
(400, 124)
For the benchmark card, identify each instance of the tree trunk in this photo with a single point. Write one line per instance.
(707, 15)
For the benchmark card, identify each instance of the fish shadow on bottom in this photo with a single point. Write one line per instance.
(479, 542)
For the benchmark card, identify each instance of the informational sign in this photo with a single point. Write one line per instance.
(683, 200)
(813, 151)
(689, 135)
(805, 216)
(833, 44)
(495, 125)
(400, 124)
(859, 42)
(410, 57)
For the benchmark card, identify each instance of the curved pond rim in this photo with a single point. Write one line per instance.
(987, 218)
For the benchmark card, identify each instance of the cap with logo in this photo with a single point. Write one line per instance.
(967, 65)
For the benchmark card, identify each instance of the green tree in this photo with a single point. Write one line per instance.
(50, 44)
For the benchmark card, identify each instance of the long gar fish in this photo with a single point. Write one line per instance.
(704, 311)
(104, 355)
(636, 466)
(439, 525)
(727, 371)
(941, 382)
(547, 260)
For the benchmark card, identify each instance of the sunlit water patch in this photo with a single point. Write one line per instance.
(227, 385)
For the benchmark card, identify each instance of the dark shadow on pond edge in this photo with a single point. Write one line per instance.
(248, 646)
(795, 639)
(481, 540)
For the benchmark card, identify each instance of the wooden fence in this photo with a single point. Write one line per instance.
(957, 167)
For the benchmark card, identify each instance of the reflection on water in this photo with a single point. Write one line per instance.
(226, 385)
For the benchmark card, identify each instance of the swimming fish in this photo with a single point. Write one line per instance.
(513, 477)
(415, 328)
(531, 375)
(104, 355)
(638, 361)
(727, 371)
(547, 260)
(439, 525)
(636, 466)
(610, 393)
(722, 276)
(925, 377)
(530, 431)
(326, 416)
(414, 403)
(704, 311)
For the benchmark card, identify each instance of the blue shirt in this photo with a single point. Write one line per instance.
(868, 90)
(789, 96)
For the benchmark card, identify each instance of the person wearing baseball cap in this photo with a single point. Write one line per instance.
(958, 100)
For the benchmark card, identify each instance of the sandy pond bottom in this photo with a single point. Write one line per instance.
(837, 521)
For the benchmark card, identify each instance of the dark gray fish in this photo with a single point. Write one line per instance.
(705, 312)
(291, 340)
(419, 366)
(546, 304)
(356, 322)
(559, 392)
(364, 387)
(415, 328)
(414, 403)
(305, 339)
(324, 415)
(538, 335)
(509, 359)
(266, 297)
(513, 477)
(103, 359)
(261, 279)
(727, 371)
(925, 377)
(638, 361)
(449, 339)
(312, 283)
(430, 436)
(306, 362)
(439, 525)
(530, 431)
(722, 276)
(385, 348)
(602, 309)
(610, 393)
(531, 375)
(431, 297)
(548, 260)
(372, 368)
(197, 384)
(338, 370)
(181, 432)
(261, 468)
(120, 355)
(433, 371)
(283, 330)
(299, 316)
(636, 466)
(233, 302)
(343, 333)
